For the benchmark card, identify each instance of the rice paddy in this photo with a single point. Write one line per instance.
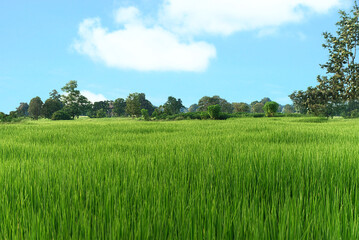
(280, 178)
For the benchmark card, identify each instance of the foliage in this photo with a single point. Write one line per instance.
(193, 108)
(173, 106)
(258, 108)
(119, 107)
(35, 107)
(137, 101)
(206, 101)
(270, 108)
(50, 107)
(75, 103)
(145, 114)
(61, 115)
(101, 113)
(288, 109)
(214, 111)
(241, 107)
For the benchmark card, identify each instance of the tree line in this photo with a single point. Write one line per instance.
(72, 104)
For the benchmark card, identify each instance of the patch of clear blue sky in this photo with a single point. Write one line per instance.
(36, 57)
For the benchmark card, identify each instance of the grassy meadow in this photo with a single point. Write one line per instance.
(265, 178)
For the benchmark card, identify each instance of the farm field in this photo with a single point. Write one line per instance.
(265, 178)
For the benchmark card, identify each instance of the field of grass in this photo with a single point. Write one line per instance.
(287, 178)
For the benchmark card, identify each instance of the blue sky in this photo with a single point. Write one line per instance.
(240, 50)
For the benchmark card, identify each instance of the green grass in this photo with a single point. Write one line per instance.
(123, 179)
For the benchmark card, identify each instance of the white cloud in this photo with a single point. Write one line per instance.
(228, 16)
(165, 43)
(127, 15)
(141, 48)
(92, 97)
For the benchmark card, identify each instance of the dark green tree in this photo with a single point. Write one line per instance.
(75, 103)
(258, 108)
(145, 114)
(214, 111)
(133, 105)
(119, 107)
(54, 94)
(50, 107)
(173, 106)
(35, 107)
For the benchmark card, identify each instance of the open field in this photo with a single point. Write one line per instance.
(287, 178)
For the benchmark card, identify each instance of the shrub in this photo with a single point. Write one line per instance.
(145, 115)
(214, 111)
(61, 115)
(270, 108)
(100, 113)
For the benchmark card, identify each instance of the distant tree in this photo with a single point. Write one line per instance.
(35, 107)
(270, 108)
(206, 101)
(258, 108)
(173, 106)
(55, 95)
(265, 100)
(101, 113)
(133, 105)
(50, 107)
(145, 114)
(75, 103)
(119, 107)
(241, 107)
(214, 111)
(288, 109)
(145, 104)
(23, 110)
(193, 108)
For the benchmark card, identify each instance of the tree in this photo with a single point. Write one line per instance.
(23, 110)
(206, 101)
(270, 108)
(75, 103)
(241, 107)
(61, 115)
(193, 108)
(288, 109)
(214, 111)
(119, 107)
(133, 105)
(258, 108)
(145, 114)
(55, 95)
(50, 107)
(341, 82)
(35, 107)
(173, 106)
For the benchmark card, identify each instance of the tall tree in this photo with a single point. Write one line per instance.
(193, 108)
(50, 107)
(258, 108)
(35, 107)
(75, 103)
(54, 94)
(133, 105)
(173, 106)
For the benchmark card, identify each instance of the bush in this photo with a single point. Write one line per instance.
(100, 113)
(145, 115)
(214, 111)
(270, 108)
(61, 115)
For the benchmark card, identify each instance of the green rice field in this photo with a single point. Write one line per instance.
(265, 178)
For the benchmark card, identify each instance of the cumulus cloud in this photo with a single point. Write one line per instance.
(139, 47)
(228, 16)
(92, 97)
(165, 43)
